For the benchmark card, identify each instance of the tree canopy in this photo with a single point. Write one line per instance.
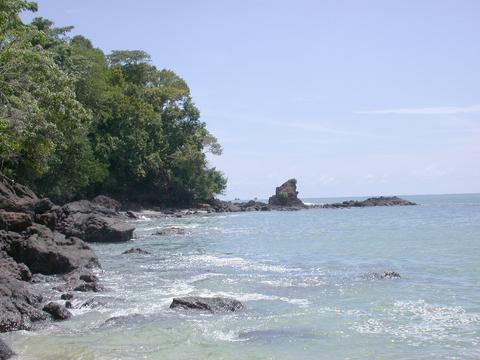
(75, 122)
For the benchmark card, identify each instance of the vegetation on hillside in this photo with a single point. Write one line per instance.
(75, 122)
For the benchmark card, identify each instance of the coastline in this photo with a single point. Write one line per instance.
(45, 243)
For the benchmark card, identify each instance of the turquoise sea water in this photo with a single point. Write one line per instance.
(302, 277)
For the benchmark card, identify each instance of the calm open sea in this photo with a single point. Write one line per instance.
(302, 277)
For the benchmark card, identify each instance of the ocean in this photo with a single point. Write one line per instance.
(305, 278)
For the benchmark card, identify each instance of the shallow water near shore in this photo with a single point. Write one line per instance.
(303, 278)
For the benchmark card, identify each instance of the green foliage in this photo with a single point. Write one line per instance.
(74, 121)
(283, 195)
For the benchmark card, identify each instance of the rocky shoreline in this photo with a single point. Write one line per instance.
(44, 242)
(40, 241)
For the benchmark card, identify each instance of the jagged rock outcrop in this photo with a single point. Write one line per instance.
(19, 304)
(16, 197)
(48, 252)
(374, 201)
(286, 195)
(210, 304)
(32, 242)
(92, 222)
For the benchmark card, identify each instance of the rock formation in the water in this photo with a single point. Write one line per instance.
(374, 201)
(136, 251)
(57, 311)
(210, 304)
(286, 195)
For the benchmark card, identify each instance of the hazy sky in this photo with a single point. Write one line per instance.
(350, 97)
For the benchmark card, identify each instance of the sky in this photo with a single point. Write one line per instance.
(351, 98)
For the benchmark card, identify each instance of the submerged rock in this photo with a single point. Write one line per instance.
(57, 311)
(383, 275)
(211, 304)
(5, 351)
(136, 251)
(171, 231)
(286, 195)
(93, 303)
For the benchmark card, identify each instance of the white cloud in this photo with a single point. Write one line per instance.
(441, 110)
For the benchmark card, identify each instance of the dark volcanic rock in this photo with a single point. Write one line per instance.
(16, 197)
(57, 311)
(286, 195)
(107, 202)
(17, 270)
(136, 251)
(48, 252)
(83, 280)
(374, 201)
(89, 287)
(49, 219)
(94, 223)
(211, 304)
(18, 304)
(43, 205)
(14, 221)
(67, 296)
(5, 351)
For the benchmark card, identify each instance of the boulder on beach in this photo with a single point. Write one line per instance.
(286, 195)
(210, 304)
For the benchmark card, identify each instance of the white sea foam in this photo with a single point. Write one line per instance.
(421, 321)
(245, 297)
(303, 282)
(237, 262)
